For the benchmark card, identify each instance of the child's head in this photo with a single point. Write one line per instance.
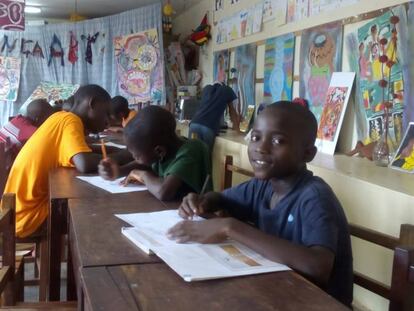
(38, 111)
(150, 136)
(119, 109)
(282, 140)
(91, 104)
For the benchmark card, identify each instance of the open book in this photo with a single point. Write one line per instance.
(193, 261)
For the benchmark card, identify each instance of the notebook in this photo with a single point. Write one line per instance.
(193, 261)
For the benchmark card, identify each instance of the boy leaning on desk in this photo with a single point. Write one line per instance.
(296, 218)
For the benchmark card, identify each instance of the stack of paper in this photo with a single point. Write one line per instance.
(193, 261)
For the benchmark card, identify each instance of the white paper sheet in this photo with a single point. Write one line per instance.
(112, 186)
(111, 144)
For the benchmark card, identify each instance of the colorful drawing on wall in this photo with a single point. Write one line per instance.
(336, 101)
(278, 72)
(320, 56)
(52, 92)
(140, 67)
(404, 157)
(12, 14)
(377, 53)
(9, 78)
(254, 19)
(245, 65)
(275, 10)
(221, 66)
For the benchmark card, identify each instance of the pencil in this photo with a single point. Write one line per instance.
(103, 149)
(203, 190)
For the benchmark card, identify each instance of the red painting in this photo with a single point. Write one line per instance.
(12, 14)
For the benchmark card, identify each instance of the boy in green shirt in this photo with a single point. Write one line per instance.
(170, 166)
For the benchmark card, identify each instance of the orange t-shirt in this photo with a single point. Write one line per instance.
(54, 144)
(132, 113)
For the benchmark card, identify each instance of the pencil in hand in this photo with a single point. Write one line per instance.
(103, 148)
(204, 188)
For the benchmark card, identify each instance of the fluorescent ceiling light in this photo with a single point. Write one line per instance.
(32, 10)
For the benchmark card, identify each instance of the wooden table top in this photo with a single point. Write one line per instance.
(95, 233)
(157, 287)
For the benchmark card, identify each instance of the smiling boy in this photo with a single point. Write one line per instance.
(297, 219)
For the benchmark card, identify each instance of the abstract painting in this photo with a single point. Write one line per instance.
(320, 56)
(52, 92)
(244, 87)
(278, 71)
(378, 39)
(9, 78)
(140, 67)
(221, 66)
(404, 157)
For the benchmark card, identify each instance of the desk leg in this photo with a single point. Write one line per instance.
(57, 228)
(71, 284)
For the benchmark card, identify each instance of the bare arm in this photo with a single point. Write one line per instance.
(86, 162)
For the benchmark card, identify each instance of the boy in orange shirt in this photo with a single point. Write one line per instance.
(60, 141)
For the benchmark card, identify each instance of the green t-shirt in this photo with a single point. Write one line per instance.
(191, 164)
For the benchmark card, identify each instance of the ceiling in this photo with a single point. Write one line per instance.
(60, 9)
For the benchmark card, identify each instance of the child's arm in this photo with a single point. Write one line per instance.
(163, 189)
(110, 169)
(313, 262)
(86, 162)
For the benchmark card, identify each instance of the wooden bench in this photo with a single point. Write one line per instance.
(401, 292)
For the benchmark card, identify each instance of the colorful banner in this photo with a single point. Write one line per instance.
(9, 78)
(320, 56)
(140, 67)
(221, 66)
(278, 71)
(12, 15)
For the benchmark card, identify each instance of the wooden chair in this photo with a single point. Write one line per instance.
(7, 279)
(401, 292)
(38, 245)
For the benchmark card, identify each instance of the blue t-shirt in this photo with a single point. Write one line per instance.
(310, 215)
(214, 100)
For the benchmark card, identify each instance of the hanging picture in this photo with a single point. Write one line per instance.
(333, 112)
(379, 59)
(12, 15)
(9, 78)
(221, 66)
(51, 92)
(404, 157)
(244, 87)
(254, 19)
(278, 71)
(140, 67)
(275, 10)
(320, 56)
(218, 5)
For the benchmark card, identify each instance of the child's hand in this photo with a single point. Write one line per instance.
(108, 169)
(207, 231)
(133, 178)
(193, 204)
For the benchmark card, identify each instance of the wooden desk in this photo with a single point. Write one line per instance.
(157, 287)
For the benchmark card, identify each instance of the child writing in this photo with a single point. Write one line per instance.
(297, 219)
(168, 165)
(120, 113)
(60, 141)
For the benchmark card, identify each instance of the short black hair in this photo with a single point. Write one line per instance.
(302, 118)
(90, 91)
(119, 105)
(152, 126)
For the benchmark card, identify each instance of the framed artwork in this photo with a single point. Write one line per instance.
(404, 157)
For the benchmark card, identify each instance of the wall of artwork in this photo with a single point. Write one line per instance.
(84, 53)
(356, 17)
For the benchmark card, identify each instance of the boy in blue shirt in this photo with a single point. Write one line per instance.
(297, 219)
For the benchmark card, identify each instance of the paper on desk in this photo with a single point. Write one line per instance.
(150, 229)
(113, 186)
(111, 144)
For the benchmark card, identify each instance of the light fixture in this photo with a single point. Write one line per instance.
(32, 10)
